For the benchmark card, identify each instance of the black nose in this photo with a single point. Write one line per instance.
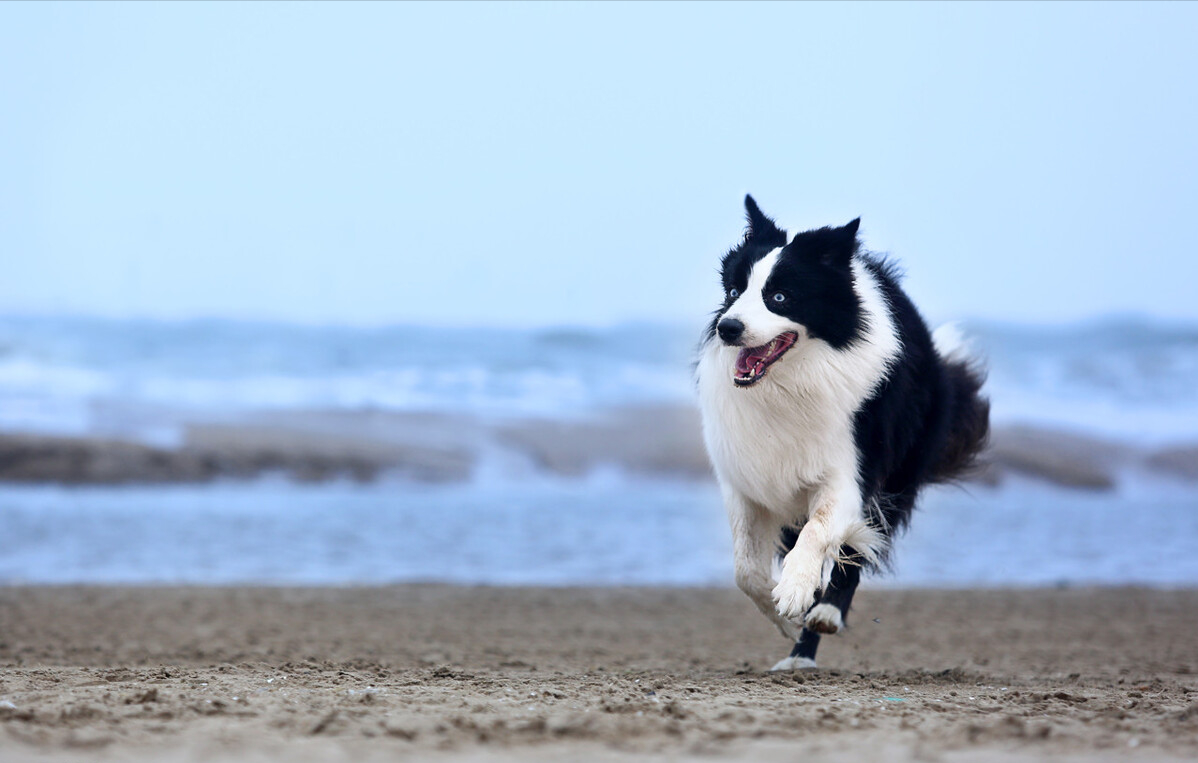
(730, 330)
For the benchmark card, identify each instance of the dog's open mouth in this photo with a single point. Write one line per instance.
(752, 362)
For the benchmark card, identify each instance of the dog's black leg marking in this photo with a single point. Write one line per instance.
(842, 585)
(806, 646)
(846, 576)
(839, 594)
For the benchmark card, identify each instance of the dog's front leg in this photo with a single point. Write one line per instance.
(755, 537)
(836, 518)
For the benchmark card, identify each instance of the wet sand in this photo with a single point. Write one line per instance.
(664, 441)
(442, 672)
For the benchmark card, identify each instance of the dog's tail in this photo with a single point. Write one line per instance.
(968, 410)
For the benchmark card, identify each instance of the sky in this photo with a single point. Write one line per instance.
(585, 164)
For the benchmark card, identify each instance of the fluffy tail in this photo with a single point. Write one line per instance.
(968, 410)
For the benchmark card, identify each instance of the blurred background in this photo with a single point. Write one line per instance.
(366, 293)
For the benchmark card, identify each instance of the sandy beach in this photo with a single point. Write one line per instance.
(431, 671)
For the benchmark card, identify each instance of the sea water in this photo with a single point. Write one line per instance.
(604, 529)
(1126, 380)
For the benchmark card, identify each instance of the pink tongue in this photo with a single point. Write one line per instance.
(749, 357)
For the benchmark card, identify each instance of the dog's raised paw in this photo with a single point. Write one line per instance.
(794, 598)
(825, 619)
(795, 663)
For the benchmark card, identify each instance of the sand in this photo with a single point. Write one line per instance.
(420, 671)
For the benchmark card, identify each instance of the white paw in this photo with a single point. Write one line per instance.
(795, 663)
(824, 618)
(795, 593)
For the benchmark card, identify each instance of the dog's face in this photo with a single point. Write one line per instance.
(779, 295)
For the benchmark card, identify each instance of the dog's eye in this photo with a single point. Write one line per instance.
(779, 296)
(734, 293)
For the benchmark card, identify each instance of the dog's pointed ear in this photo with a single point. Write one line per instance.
(842, 244)
(762, 229)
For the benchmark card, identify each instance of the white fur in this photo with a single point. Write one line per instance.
(951, 343)
(794, 663)
(783, 449)
(824, 618)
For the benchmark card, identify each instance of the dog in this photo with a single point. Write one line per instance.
(827, 407)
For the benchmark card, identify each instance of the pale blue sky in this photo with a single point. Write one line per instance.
(584, 164)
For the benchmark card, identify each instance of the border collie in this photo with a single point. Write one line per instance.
(827, 406)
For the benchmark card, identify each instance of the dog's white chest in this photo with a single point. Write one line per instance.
(793, 430)
(771, 442)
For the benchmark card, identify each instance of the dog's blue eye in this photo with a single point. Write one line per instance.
(779, 296)
(734, 293)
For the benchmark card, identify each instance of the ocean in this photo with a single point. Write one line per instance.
(1131, 382)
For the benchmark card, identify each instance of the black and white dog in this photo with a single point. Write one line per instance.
(827, 407)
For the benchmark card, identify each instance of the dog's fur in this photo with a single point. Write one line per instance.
(821, 449)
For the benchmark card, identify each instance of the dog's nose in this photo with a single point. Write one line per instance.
(730, 330)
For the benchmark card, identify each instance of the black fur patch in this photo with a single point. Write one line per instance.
(813, 275)
(926, 423)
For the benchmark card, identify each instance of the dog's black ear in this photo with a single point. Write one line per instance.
(762, 229)
(841, 244)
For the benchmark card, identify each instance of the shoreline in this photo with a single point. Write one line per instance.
(650, 441)
(481, 672)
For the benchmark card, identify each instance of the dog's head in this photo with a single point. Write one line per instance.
(779, 295)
